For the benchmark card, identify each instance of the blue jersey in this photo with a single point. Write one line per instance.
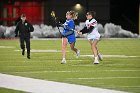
(69, 24)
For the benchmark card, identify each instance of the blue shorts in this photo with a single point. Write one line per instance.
(71, 39)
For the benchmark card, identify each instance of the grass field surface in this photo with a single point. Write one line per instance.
(119, 70)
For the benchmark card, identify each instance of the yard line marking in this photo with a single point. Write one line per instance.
(120, 64)
(78, 71)
(73, 60)
(120, 56)
(106, 78)
(106, 65)
(43, 86)
(48, 72)
(107, 56)
(35, 50)
(7, 47)
(131, 86)
(122, 70)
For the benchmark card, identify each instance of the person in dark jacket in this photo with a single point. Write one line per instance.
(23, 29)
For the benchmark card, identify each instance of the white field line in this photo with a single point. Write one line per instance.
(34, 50)
(49, 72)
(130, 86)
(120, 56)
(106, 65)
(105, 78)
(7, 47)
(43, 86)
(78, 71)
(121, 70)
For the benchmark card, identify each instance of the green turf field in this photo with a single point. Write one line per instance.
(121, 71)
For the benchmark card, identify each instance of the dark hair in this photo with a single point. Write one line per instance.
(23, 15)
(92, 13)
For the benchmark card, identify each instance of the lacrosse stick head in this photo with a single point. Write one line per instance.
(53, 14)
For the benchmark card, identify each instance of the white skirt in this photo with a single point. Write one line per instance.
(93, 36)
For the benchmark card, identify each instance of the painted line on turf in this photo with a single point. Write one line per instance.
(7, 47)
(122, 70)
(76, 71)
(105, 78)
(44, 86)
(74, 60)
(130, 86)
(105, 65)
(34, 50)
(120, 56)
(48, 72)
(107, 56)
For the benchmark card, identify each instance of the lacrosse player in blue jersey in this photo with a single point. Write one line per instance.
(68, 35)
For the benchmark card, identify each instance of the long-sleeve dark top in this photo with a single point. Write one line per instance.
(23, 28)
(87, 30)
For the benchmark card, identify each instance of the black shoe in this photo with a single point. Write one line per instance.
(23, 52)
(28, 56)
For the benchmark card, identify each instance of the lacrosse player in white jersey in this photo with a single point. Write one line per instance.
(92, 34)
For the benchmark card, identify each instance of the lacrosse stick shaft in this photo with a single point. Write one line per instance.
(55, 20)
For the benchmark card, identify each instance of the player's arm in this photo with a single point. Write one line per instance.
(16, 30)
(87, 30)
(70, 27)
(31, 28)
(68, 33)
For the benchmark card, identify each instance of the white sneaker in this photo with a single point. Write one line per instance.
(96, 62)
(100, 57)
(78, 54)
(63, 61)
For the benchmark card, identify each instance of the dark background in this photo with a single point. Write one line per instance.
(119, 12)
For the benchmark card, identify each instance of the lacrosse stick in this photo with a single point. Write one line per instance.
(62, 25)
(56, 23)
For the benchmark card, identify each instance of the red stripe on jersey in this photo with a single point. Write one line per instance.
(92, 24)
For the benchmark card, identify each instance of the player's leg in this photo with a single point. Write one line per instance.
(22, 45)
(100, 57)
(93, 44)
(64, 44)
(72, 45)
(98, 53)
(72, 41)
(27, 40)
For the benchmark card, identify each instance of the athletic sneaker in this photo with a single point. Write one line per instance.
(96, 62)
(28, 56)
(100, 57)
(23, 52)
(78, 54)
(63, 61)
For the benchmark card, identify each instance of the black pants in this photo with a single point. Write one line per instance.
(27, 41)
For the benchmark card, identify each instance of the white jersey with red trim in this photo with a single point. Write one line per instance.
(94, 34)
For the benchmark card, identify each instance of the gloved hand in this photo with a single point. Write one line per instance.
(16, 35)
(63, 35)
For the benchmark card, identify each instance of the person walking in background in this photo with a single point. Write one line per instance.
(23, 29)
(92, 35)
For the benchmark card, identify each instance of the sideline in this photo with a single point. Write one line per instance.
(43, 86)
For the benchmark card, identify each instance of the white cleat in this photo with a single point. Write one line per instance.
(96, 62)
(63, 61)
(100, 57)
(78, 54)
